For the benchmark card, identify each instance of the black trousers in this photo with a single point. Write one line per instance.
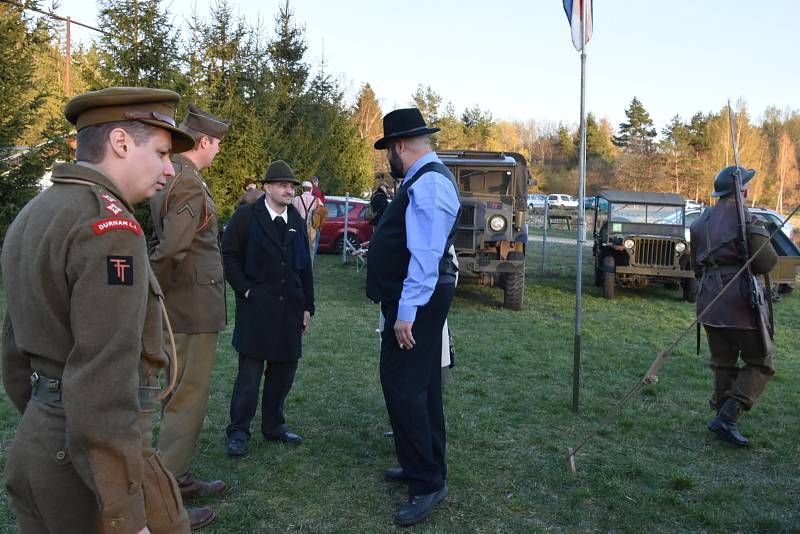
(279, 377)
(412, 388)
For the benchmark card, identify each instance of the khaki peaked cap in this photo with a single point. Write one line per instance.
(206, 123)
(279, 171)
(155, 107)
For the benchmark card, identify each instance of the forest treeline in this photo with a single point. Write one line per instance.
(282, 105)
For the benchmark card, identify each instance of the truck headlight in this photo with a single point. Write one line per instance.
(628, 243)
(497, 223)
(680, 247)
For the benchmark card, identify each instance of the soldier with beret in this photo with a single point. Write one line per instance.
(251, 192)
(267, 263)
(730, 324)
(82, 336)
(186, 260)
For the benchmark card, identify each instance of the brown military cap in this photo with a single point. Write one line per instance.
(204, 122)
(279, 171)
(249, 181)
(155, 107)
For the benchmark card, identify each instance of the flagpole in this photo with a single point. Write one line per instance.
(576, 356)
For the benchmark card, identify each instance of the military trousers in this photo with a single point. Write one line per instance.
(185, 409)
(412, 388)
(744, 384)
(48, 496)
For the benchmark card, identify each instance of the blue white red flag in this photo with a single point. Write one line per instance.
(579, 14)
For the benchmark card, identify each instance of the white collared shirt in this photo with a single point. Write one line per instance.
(273, 214)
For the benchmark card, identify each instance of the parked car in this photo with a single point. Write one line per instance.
(331, 238)
(536, 201)
(561, 201)
(693, 204)
(590, 202)
(773, 217)
(770, 217)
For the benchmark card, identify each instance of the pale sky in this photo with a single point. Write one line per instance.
(515, 58)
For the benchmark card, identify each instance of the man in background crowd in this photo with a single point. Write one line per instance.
(251, 192)
(305, 204)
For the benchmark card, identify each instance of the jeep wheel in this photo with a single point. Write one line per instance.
(514, 285)
(609, 269)
(689, 289)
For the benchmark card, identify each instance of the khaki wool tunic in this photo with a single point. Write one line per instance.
(185, 251)
(82, 307)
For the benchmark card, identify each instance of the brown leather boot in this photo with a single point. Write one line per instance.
(200, 517)
(192, 487)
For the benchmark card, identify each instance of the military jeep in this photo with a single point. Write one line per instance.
(491, 233)
(639, 239)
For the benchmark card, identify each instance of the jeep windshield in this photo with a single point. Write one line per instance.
(485, 181)
(647, 213)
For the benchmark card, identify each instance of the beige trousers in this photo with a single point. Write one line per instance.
(183, 411)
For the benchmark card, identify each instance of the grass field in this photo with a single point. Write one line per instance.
(655, 469)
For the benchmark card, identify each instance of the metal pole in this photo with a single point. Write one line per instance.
(345, 241)
(576, 358)
(544, 239)
(68, 75)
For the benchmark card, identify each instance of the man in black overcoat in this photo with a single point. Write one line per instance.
(266, 255)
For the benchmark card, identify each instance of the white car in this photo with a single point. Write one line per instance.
(693, 205)
(536, 201)
(561, 201)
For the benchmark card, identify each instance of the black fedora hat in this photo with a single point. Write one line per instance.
(400, 123)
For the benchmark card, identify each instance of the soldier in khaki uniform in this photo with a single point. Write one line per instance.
(731, 323)
(186, 260)
(82, 336)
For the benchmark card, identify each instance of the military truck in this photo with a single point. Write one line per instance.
(491, 234)
(639, 239)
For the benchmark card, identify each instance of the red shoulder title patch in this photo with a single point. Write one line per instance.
(116, 223)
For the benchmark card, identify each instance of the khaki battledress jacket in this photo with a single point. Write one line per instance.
(184, 252)
(82, 307)
(715, 258)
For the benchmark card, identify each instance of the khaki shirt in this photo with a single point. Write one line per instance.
(185, 252)
(82, 307)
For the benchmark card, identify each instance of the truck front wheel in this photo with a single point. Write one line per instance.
(514, 285)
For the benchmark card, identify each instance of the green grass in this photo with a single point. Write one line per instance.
(655, 468)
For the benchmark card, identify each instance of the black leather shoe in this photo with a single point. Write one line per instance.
(237, 447)
(287, 437)
(419, 507)
(395, 474)
(724, 424)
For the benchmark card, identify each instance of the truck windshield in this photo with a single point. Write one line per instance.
(646, 213)
(486, 181)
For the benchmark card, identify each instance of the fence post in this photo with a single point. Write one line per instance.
(544, 240)
(345, 240)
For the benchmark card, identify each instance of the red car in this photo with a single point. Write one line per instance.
(358, 229)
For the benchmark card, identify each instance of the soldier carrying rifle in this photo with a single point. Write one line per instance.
(739, 323)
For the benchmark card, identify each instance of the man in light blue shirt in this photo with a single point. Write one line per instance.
(414, 280)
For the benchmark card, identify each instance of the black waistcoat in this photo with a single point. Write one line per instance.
(388, 258)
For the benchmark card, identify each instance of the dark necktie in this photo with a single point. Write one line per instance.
(280, 224)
